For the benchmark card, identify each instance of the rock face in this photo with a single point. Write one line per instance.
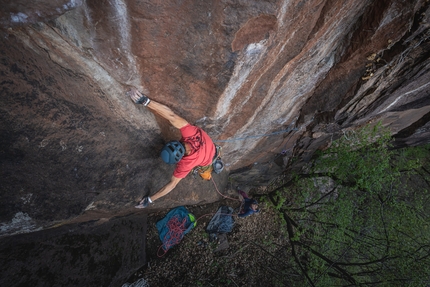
(266, 79)
(75, 255)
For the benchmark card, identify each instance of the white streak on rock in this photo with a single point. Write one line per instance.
(401, 96)
(282, 13)
(21, 223)
(121, 17)
(123, 21)
(90, 206)
(241, 72)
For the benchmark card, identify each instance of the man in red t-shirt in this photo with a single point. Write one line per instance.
(201, 150)
(194, 149)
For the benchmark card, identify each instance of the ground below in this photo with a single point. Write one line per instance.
(248, 259)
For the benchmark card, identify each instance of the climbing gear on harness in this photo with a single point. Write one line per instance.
(144, 203)
(172, 152)
(217, 165)
(205, 172)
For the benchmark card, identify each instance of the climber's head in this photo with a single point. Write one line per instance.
(172, 152)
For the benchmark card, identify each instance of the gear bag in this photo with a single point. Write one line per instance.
(173, 227)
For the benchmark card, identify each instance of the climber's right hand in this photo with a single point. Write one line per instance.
(138, 97)
(144, 202)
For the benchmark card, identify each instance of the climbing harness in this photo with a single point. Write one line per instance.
(205, 172)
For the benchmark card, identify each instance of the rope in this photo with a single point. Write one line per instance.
(174, 235)
(177, 228)
(176, 232)
(258, 136)
(225, 196)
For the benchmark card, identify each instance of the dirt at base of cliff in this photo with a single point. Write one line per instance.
(248, 259)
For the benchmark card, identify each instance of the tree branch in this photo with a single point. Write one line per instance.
(365, 263)
(293, 248)
(316, 202)
(347, 276)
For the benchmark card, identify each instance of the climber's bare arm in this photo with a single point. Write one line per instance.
(166, 189)
(164, 111)
(168, 114)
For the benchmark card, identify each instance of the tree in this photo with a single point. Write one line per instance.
(359, 215)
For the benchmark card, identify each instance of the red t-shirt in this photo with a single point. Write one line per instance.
(202, 150)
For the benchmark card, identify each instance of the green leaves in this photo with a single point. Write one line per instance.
(361, 213)
(360, 159)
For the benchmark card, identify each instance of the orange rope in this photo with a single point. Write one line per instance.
(176, 228)
(225, 196)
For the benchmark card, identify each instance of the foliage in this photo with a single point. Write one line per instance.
(360, 159)
(356, 219)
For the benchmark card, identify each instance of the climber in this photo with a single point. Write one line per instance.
(195, 149)
(249, 205)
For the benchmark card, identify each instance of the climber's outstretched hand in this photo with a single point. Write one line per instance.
(137, 97)
(164, 111)
(143, 203)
